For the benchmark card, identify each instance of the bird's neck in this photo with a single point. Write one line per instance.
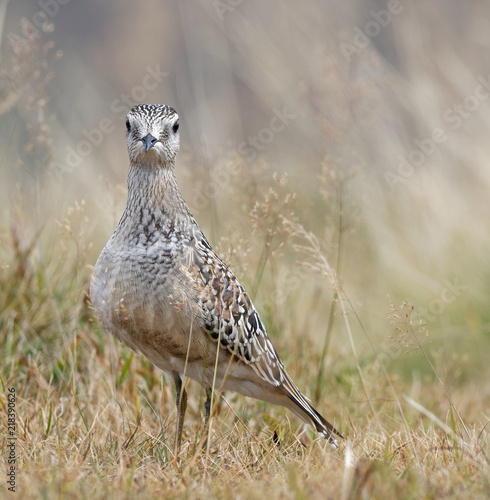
(153, 188)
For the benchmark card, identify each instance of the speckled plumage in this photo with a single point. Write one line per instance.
(159, 287)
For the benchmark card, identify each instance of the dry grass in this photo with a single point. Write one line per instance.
(94, 420)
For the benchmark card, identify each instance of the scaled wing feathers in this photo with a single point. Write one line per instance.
(229, 315)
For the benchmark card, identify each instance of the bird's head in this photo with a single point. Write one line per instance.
(153, 134)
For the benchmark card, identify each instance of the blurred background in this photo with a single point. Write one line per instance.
(378, 112)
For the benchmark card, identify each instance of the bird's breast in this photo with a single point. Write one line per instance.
(144, 292)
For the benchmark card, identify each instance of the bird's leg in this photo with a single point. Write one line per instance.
(181, 402)
(207, 407)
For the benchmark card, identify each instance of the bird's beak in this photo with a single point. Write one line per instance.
(149, 141)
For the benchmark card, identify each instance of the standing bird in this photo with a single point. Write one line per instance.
(159, 287)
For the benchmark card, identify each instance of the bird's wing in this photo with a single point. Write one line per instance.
(232, 320)
(230, 316)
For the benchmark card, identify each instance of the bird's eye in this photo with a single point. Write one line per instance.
(128, 125)
(176, 126)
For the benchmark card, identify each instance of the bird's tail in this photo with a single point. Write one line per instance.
(303, 408)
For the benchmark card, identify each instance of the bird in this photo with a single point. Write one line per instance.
(159, 287)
